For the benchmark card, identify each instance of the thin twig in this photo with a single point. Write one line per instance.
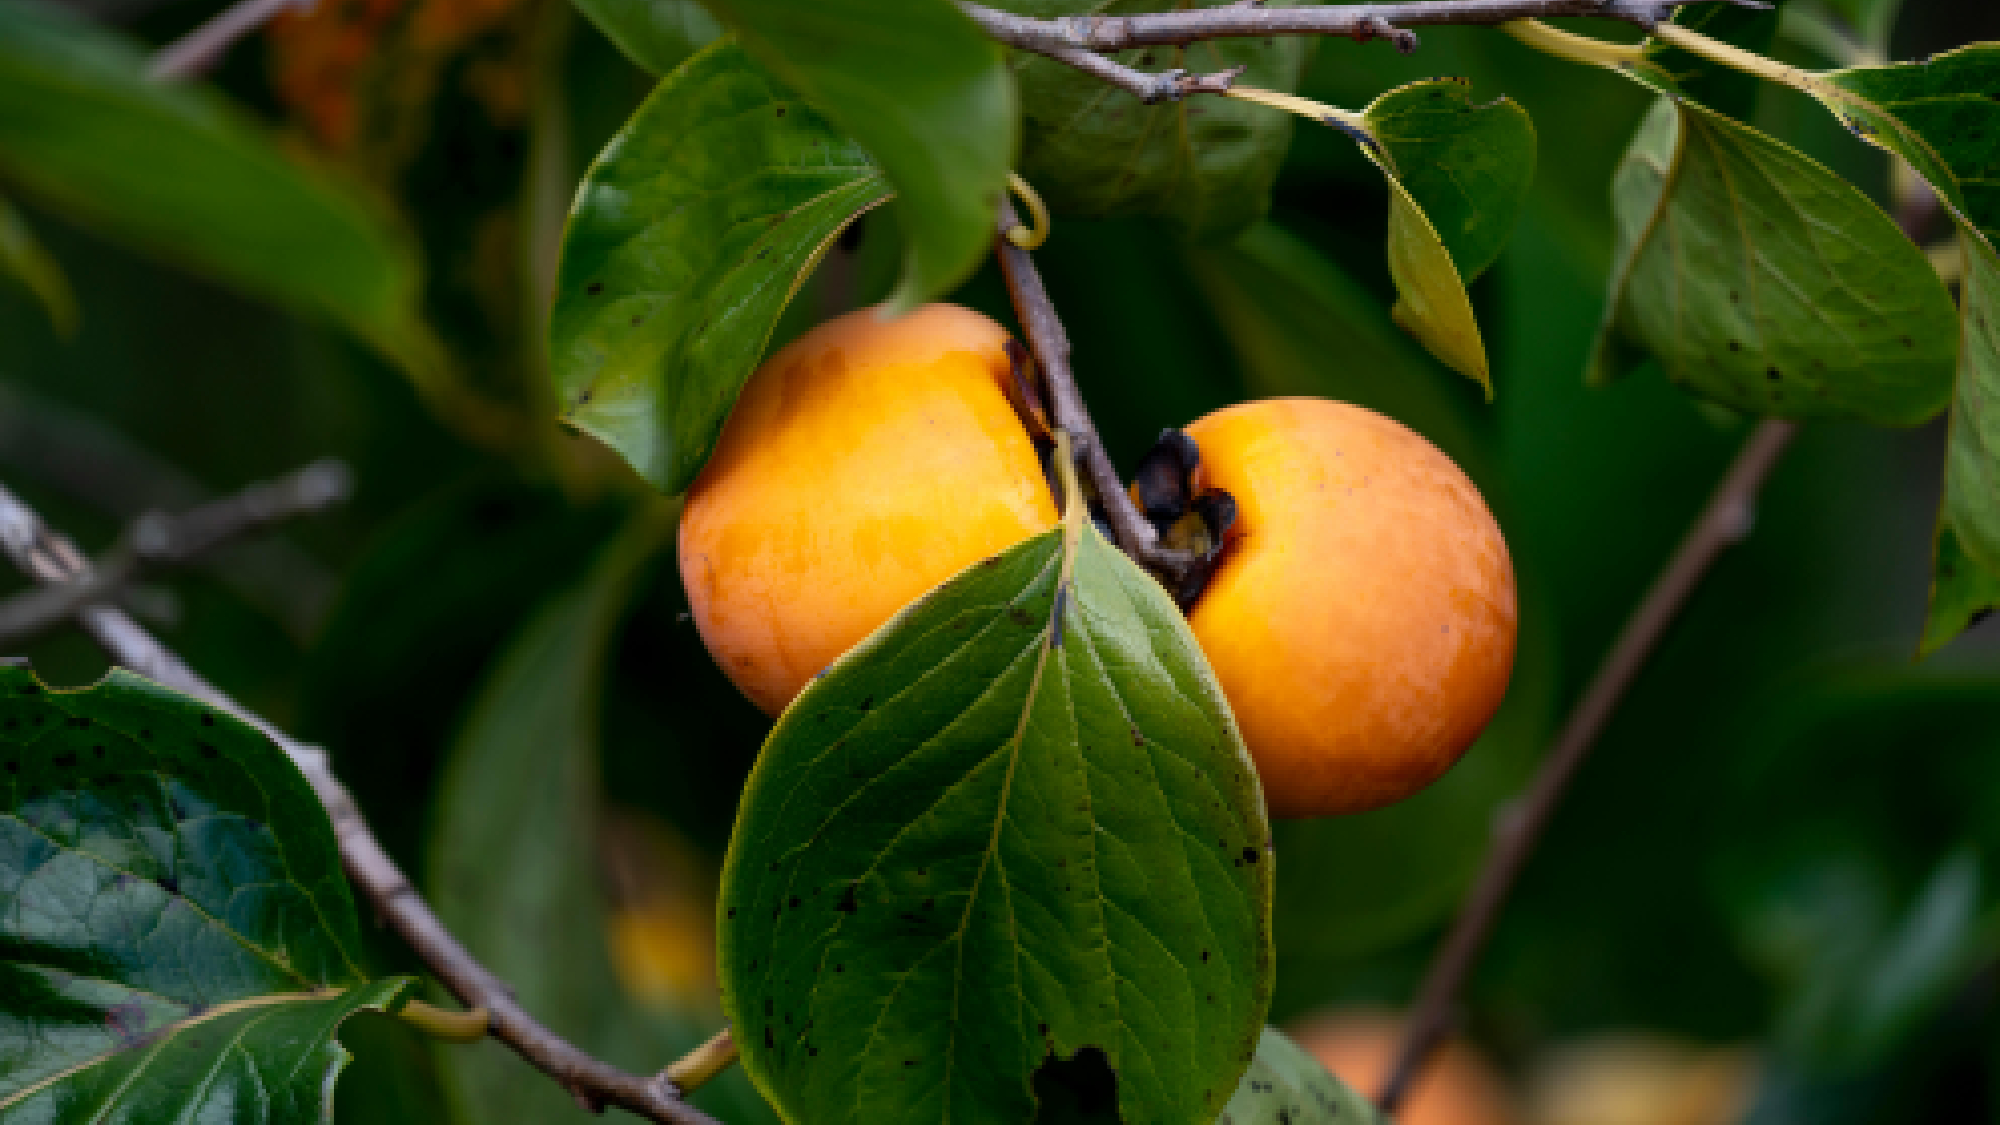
(1050, 344)
(158, 540)
(49, 558)
(194, 53)
(1725, 522)
(92, 462)
(1166, 86)
(1353, 21)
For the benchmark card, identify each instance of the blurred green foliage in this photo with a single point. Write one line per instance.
(1788, 837)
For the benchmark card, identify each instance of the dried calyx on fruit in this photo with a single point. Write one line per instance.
(1193, 522)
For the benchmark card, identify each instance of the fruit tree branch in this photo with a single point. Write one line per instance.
(1360, 22)
(1724, 523)
(1050, 345)
(157, 540)
(51, 559)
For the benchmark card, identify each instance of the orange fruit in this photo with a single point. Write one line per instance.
(1458, 1086)
(1361, 617)
(864, 464)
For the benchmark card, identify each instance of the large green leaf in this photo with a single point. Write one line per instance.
(1761, 280)
(514, 852)
(656, 34)
(1207, 164)
(23, 259)
(183, 175)
(1009, 844)
(690, 234)
(925, 92)
(1287, 1086)
(178, 942)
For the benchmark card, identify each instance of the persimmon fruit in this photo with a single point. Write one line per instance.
(1361, 615)
(865, 463)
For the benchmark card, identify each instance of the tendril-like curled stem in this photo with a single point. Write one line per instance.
(1032, 236)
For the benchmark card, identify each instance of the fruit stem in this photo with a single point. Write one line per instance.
(444, 1025)
(1573, 47)
(1050, 345)
(694, 1069)
(1029, 237)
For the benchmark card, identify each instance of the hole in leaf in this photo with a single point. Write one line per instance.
(1079, 1090)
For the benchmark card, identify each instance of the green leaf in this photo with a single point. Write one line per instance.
(658, 35)
(1206, 164)
(1966, 583)
(689, 236)
(1467, 166)
(183, 175)
(1941, 116)
(1434, 306)
(23, 259)
(1762, 281)
(1964, 593)
(925, 92)
(179, 941)
(1007, 843)
(526, 901)
(1287, 1086)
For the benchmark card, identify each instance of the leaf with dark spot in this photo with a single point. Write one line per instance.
(242, 956)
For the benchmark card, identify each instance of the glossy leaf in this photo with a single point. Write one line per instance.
(656, 34)
(179, 943)
(23, 259)
(1205, 164)
(1468, 166)
(1011, 840)
(1762, 281)
(1287, 1086)
(514, 852)
(183, 175)
(689, 236)
(925, 92)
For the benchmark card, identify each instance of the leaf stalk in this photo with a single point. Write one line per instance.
(1575, 48)
(445, 1025)
(694, 1069)
(1736, 58)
